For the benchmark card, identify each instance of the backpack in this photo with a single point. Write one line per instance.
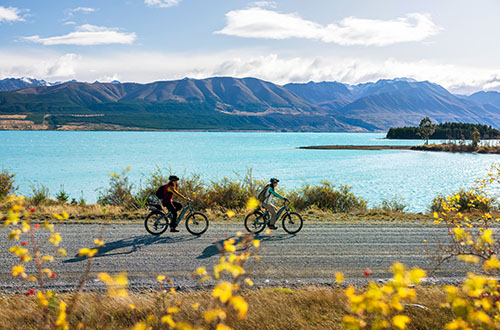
(160, 192)
(262, 194)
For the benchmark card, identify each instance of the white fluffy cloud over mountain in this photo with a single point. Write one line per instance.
(147, 67)
(87, 35)
(264, 23)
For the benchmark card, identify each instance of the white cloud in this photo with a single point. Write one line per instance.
(150, 66)
(64, 66)
(49, 65)
(258, 22)
(10, 14)
(161, 3)
(70, 13)
(85, 10)
(262, 4)
(87, 35)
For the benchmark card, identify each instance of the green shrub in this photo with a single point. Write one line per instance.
(119, 192)
(6, 184)
(325, 197)
(225, 193)
(39, 194)
(62, 196)
(394, 205)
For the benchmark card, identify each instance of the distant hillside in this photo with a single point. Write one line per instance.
(399, 102)
(491, 97)
(214, 103)
(247, 95)
(239, 104)
(12, 84)
(331, 95)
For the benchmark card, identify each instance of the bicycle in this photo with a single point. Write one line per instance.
(157, 221)
(256, 221)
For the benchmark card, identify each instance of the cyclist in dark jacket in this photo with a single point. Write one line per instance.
(267, 203)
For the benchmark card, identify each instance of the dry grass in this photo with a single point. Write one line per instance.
(94, 213)
(270, 308)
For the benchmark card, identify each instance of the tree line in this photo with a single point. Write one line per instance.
(444, 131)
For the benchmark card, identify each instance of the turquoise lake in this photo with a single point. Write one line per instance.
(82, 161)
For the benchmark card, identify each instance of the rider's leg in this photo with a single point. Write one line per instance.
(173, 210)
(272, 210)
(177, 207)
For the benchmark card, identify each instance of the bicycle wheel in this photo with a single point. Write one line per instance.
(292, 222)
(256, 222)
(156, 223)
(197, 223)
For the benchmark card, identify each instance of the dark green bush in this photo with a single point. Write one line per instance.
(62, 196)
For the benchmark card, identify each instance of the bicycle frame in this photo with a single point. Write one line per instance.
(185, 209)
(279, 214)
(183, 213)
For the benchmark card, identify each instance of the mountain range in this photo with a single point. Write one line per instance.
(228, 103)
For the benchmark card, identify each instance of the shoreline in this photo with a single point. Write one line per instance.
(182, 130)
(355, 147)
(430, 147)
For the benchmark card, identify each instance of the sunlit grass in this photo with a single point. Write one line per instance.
(270, 308)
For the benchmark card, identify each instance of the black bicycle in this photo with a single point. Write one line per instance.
(157, 221)
(256, 221)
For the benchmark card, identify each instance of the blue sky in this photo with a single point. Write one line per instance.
(453, 43)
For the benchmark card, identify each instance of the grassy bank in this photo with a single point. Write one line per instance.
(123, 200)
(96, 214)
(269, 308)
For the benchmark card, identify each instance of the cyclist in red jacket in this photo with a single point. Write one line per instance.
(168, 200)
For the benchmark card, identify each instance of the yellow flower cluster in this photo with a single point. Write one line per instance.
(475, 304)
(117, 285)
(28, 249)
(378, 306)
(225, 293)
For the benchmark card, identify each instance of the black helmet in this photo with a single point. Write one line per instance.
(173, 178)
(274, 180)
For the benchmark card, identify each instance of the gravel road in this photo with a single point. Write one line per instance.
(310, 257)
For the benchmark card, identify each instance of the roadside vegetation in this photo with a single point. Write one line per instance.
(6, 184)
(231, 302)
(296, 308)
(123, 200)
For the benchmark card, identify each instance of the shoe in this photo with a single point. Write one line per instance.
(174, 230)
(272, 227)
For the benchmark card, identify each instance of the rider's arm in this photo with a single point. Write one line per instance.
(275, 193)
(176, 193)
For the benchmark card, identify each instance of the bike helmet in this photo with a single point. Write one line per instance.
(274, 180)
(173, 178)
